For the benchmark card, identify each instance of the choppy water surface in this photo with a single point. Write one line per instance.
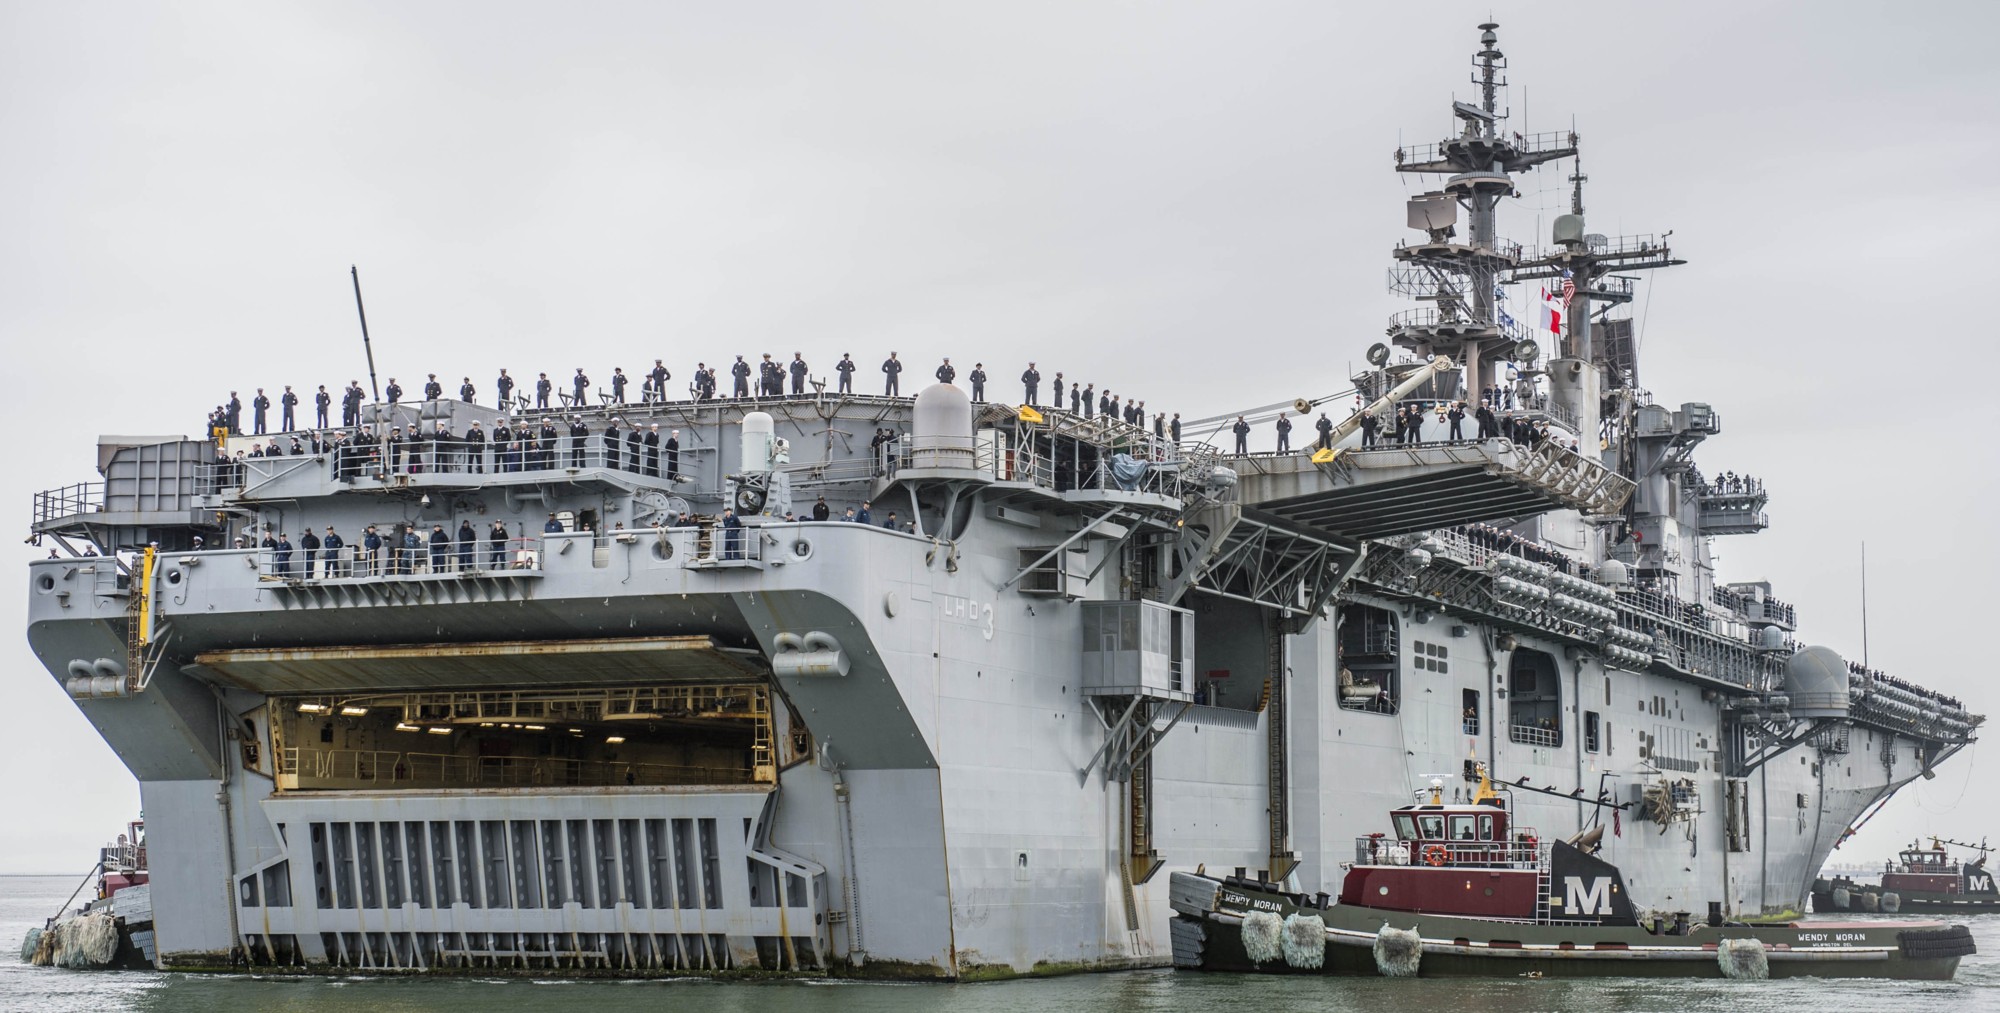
(26, 901)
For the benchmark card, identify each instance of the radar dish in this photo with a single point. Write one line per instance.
(1596, 241)
(1378, 354)
(1526, 351)
(1568, 230)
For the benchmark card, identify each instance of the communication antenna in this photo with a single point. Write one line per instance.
(1864, 604)
(366, 348)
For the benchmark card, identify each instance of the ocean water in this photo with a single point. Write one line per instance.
(26, 900)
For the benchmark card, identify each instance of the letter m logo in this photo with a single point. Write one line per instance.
(1594, 899)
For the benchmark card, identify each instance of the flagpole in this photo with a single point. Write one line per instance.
(1864, 605)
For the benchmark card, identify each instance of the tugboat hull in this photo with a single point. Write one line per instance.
(1218, 925)
(1828, 894)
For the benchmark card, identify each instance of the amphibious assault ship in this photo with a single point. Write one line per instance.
(631, 735)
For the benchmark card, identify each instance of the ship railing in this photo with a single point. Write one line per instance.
(1614, 246)
(1526, 144)
(126, 857)
(748, 543)
(365, 768)
(455, 559)
(1534, 735)
(827, 473)
(68, 501)
(1375, 849)
(1066, 452)
(1614, 286)
(351, 460)
(1753, 609)
(1427, 318)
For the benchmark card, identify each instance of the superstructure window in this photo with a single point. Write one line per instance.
(1432, 657)
(1591, 728)
(1469, 716)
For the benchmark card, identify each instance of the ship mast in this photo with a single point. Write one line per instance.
(1477, 164)
(1597, 354)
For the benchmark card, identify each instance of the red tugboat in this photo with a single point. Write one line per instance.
(114, 928)
(1461, 890)
(1920, 879)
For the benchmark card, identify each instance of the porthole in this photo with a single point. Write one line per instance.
(663, 548)
(174, 576)
(46, 583)
(802, 550)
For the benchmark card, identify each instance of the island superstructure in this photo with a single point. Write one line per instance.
(651, 726)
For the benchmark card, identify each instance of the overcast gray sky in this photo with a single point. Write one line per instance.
(1190, 203)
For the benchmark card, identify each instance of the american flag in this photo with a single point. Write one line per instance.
(1569, 288)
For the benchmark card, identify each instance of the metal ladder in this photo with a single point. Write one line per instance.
(1281, 859)
(1542, 885)
(764, 766)
(1143, 863)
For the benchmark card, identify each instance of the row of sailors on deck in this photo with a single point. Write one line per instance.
(1877, 675)
(1507, 397)
(406, 550)
(1486, 536)
(1409, 427)
(523, 447)
(770, 381)
(402, 551)
(1728, 483)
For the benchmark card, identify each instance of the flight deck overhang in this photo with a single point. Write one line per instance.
(1382, 492)
(416, 667)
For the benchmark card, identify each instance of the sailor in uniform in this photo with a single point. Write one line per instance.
(798, 369)
(1031, 384)
(260, 407)
(945, 373)
(732, 535)
(845, 367)
(978, 380)
(1242, 431)
(1284, 434)
(891, 369)
(740, 370)
(475, 448)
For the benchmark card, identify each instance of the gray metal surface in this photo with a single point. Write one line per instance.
(911, 720)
